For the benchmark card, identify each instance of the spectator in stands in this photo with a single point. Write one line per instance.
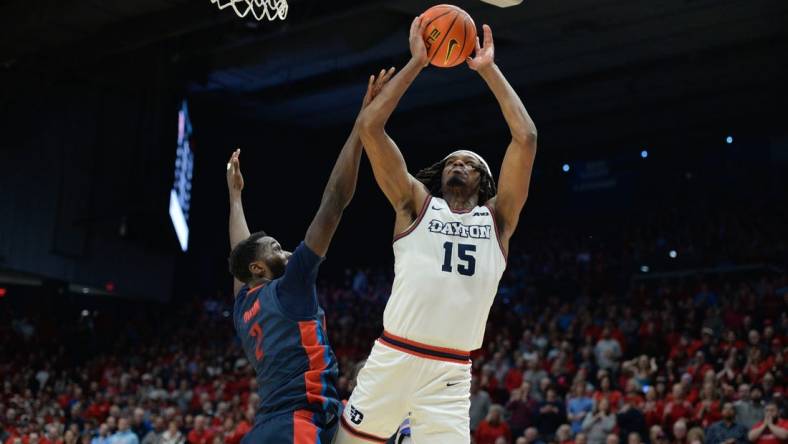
(656, 434)
(646, 370)
(480, 404)
(71, 438)
(696, 436)
(531, 436)
(634, 394)
(493, 427)
(201, 371)
(630, 418)
(771, 429)
(124, 435)
(103, 435)
(707, 411)
(564, 434)
(680, 432)
(155, 436)
(578, 406)
(634, 438)
(172, 435)
(678, 408)
(514, 377)
(606, 391)
(534, 376)
(599, 422)
(139, 425)
(200, 434)
(690, 391)
(550, 415)
(500, 366)
(521, 408)
(727, 431)
(612, 439)
(607, 351)
(653, 408)
(769, 389)
(749, 408)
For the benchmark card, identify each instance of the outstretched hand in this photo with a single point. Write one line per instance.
(418, 50)
(376, 84)
(235, 180)
(484, 55)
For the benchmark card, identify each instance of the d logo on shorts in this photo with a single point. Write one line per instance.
(355, 416)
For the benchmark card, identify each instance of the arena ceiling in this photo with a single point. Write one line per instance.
(582, 65)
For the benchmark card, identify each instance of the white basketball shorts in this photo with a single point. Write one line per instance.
(406, 379)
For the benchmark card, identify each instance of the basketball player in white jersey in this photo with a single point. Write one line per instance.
(452, 234)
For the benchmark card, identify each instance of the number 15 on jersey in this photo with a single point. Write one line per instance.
(466, 263)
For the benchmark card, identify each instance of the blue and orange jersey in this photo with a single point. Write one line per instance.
(283, 333)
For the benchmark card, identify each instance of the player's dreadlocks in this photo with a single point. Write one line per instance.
(244, 254)
(431, 178)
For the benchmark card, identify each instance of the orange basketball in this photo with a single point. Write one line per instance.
(450, 35)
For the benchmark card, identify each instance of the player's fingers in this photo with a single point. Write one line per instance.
(381, 79)
(415, 25)
(478, 47)
(488, 38)
(390, 73)
(422, 25)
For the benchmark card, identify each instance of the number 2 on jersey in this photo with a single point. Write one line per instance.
(463, 253)
(257, 333)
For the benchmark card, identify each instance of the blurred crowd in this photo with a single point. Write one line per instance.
(586, 344)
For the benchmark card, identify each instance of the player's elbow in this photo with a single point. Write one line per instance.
(369, 122)
(524, 135)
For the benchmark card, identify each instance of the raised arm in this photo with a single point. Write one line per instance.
(342, 183)
(391, 173)
(518, 161)
(238, 228)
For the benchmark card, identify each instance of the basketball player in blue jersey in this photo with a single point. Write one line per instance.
(451, 237)
(276, 315)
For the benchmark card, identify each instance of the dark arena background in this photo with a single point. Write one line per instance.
(648, 268)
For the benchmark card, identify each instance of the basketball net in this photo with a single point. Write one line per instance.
(260, 9)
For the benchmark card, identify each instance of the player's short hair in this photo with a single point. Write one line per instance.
(432, 175)
(244, 254)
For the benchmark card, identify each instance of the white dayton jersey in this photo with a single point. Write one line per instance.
(446, 273)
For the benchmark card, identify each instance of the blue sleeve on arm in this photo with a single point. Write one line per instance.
(296, 291)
